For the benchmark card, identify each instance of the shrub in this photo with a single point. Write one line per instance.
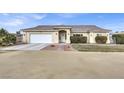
(78, 39)
(6, 38)
(52, 45)
(101, 39)
(119, 38)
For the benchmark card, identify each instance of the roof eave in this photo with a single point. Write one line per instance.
(39, 30)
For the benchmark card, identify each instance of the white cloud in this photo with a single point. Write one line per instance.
(71, 15)
(5, 14)
(38, 17)
(13, 22)
(115, 26)
(66, 15)
(19, 19)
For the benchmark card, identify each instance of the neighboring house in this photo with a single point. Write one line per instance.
(117, 33)
(62, 33)
(121, 32)
(19, 37)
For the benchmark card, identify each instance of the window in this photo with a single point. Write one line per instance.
(81, 34)
(73, 34)
(99, 34)
(77, 34)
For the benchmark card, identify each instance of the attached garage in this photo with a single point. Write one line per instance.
(40, 38)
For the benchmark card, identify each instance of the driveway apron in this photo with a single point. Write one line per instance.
(26, 47)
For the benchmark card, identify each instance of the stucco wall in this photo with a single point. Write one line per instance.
(68, 36)
(91, 36)
(24, 37)
(55, 36)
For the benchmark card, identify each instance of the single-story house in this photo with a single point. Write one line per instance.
(62, 33)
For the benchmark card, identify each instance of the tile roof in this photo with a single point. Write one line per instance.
(74, 28)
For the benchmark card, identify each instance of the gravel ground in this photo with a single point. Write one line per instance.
(61, 65)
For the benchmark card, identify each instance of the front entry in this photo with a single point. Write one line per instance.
(62, 36)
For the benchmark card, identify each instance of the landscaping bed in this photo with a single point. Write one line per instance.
(98, 47)
(51, 47)
(68, 48)
(59, 47)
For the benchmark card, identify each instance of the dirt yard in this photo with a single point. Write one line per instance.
(61, 64)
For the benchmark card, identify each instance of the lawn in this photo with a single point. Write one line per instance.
(99, 47)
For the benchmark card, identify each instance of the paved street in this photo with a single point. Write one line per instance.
(26, 47)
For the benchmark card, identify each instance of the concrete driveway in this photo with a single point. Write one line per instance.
(26, 47)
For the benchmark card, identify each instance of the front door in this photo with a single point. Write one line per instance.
(62, 36)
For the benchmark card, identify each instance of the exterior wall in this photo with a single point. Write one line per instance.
(84, 34)
(91, 36)
(68, 36)
(55, 36)
(26, 36)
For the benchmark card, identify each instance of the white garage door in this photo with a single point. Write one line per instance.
(40, 38)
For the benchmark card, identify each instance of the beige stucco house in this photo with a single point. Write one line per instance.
(62, 33)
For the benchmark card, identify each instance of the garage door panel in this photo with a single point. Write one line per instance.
(40, 38)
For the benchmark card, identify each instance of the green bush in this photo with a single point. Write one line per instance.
(6, 38)
(101, 39)
(119, 38)
(78, 39)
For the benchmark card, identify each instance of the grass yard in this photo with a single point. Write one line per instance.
(98, 47)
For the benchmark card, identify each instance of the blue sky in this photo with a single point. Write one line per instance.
(15, 21)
